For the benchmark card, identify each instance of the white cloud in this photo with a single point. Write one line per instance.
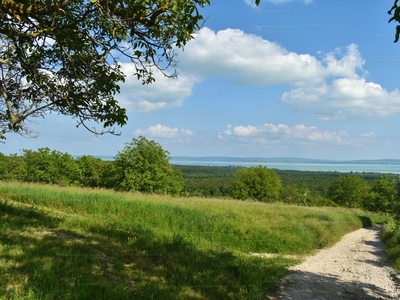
(368, 135)
(163, 131)
(346, 65)
(244, 130)
(248, 59)
(357, 96)
(331, 82)
(163, 93)
(283, 132)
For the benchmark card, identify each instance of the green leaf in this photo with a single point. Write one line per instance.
(397, 34)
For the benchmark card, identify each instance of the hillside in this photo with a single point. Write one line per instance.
(80, 242)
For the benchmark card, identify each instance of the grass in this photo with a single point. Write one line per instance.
(75, 243)
(391, 238)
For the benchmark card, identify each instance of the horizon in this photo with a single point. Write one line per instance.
(256, 157)
(290, 78)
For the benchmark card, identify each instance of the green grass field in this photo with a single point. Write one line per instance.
(75, 243)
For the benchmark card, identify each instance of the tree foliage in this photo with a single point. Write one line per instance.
(257, 183)
(92, 171)
(383, 195)
(396, 17)
(65, 56)
(349, 191)
(12, 167)
(144, 166)
(304, 196)
(48, 166)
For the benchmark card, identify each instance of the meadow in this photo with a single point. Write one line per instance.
(80, 243)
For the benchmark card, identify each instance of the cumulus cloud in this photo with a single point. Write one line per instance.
(357, 96)
(164, 131)
(333, 82)
(329, 82)
(249, 59)
(343, 63)
(163, 93)
(272, 132)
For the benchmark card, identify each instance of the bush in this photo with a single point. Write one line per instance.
(383, 195)
(50, 167)
(349, 191)
(256, 183)
(12, 167)
(144, 166)
(91, 170)
(304, 196)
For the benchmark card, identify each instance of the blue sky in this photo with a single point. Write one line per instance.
(311, 78)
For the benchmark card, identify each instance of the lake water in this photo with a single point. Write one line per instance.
(331, 167)
(324, 167)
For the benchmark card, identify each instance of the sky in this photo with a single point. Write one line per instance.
(289, 78)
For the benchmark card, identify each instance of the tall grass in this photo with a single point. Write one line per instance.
(74, 243)
(391, 238)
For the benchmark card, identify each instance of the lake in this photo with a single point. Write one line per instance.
(331, 167)
(305, 166)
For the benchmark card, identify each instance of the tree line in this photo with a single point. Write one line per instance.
(141, 166)
(144, 166)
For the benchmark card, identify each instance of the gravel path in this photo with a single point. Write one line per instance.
(354, 268)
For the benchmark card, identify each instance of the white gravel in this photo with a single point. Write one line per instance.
(354, 268)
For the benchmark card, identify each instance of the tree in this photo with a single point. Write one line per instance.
(396, 17)
(257, 183)
(65, 56)
(348, 191)
(144, 166)
(396, 206)
(398, 189)
(52, 167)
(109, 176)
(303, 196)
(12, 167)
(91, 170)
(383, 195)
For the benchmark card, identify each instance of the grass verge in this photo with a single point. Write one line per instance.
(391, 238)
(74, 243)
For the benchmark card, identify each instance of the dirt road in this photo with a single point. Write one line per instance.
(355, 268)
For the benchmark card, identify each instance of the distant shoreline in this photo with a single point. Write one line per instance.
(385, 166)
(314, 167)
(285, 160)
(274, 160)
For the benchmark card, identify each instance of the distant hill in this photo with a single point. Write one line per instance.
(286, 160)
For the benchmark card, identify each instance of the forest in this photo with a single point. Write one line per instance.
(212, 181)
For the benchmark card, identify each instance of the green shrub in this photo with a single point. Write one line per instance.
(256, 183)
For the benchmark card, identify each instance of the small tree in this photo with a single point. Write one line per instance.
(91, 170)
(144, 166)
(12, 167)
(257, 183)
(397, 198)
(348, 191)
(383, 195)
(50, 167)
